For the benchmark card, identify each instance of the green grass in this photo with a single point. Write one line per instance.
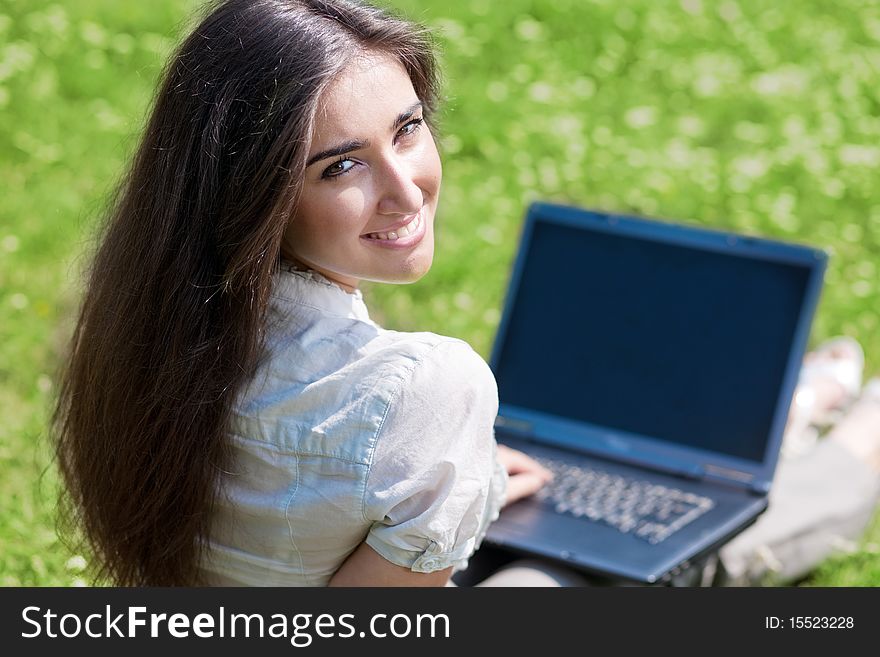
(726, 114)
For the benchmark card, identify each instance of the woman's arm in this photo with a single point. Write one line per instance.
(365, 567)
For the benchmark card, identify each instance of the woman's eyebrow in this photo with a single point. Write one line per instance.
(357, 144)
(341, 149)
(407, 114)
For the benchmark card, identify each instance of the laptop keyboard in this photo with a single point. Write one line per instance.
(642, 508)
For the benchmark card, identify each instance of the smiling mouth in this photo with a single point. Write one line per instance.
(403, 231)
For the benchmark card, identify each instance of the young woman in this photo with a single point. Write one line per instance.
(229, 413)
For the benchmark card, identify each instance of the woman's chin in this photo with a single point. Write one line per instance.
(410, 272)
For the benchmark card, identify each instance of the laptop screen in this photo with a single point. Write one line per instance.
(657, 339)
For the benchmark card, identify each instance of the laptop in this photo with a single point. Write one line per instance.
(651, 365)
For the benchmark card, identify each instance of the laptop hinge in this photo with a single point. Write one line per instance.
(729, 475)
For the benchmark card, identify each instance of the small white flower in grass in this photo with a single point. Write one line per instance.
(526, 178)
(15, 57)
(503, 206)
(694, 7)
(528, 29)
(834, 187)
(739, 183)
(729, 11)
(122, 43)
(787, 81)
(76, 563)
(44, 383)
(583, 87)
(492, 316)
(440, 305)
(463, 301)
(751, 166)
(866, 269)
(105, 116)
(794, 127)
(521, 73)
(18, 301)
(541, 92)
(489, 234)
(56, 18)
(816, 163)
(862, 289)
(39, 565)
(707, 85)
(659, 181)
(641, 117)
(450, 29)
(859, 155)
(10, 243)
(451, 144)
(692, 126)
(548, 173)
(156, 43)
(93, 33)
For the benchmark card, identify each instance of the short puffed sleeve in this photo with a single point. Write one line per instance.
(434, 483)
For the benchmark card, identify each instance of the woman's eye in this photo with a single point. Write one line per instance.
(338, 168)
(410, 128)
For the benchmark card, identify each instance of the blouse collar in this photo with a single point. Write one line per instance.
(314, 289)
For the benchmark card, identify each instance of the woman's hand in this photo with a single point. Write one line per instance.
(526, 475)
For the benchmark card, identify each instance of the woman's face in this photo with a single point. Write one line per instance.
(371, 183)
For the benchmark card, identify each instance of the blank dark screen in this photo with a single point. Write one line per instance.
(651, 338)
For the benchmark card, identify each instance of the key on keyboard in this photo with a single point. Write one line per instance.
(649, 511)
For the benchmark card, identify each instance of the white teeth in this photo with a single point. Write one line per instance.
(409, 229)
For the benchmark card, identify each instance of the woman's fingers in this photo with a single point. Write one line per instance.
(516, 462)
(523, 485)
(526, 475)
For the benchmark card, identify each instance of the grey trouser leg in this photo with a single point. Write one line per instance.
(820, 502)
(533, 572)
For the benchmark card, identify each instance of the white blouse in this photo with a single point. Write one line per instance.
(351, 433)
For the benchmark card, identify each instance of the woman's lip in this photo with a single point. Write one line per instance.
(402, 242)
(399, 224)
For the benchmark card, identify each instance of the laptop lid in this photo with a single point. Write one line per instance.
(668, 346)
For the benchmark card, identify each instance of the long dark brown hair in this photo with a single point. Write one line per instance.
(172, 322)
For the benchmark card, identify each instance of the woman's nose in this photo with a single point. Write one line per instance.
(399, 191)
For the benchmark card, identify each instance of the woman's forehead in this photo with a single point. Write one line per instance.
(367, 95)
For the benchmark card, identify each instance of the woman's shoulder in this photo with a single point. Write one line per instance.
(449, 358)
(445, 381)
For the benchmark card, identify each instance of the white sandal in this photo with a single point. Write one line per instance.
(807, 421)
